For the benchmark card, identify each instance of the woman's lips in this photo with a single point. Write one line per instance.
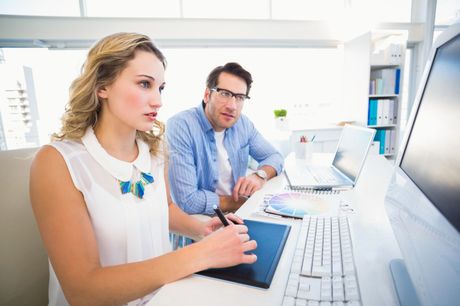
(152, 115)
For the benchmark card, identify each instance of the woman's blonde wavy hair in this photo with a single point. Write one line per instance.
(104, 63)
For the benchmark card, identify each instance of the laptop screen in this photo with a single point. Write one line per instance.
(352, 150)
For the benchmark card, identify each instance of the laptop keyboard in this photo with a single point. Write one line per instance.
(323, 176)
(323, 270)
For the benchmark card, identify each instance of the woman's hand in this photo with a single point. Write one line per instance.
(227, 247)
(214, 223)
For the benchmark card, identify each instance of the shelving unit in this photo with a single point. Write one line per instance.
(385, 84)
(374, 66)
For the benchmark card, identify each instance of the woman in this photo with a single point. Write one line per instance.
(100, 190)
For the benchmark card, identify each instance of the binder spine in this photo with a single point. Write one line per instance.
(397, 81)
(311, 190)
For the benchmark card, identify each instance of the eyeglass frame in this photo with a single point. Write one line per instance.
(232, 94)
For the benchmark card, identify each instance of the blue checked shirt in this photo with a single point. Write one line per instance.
(193, 168)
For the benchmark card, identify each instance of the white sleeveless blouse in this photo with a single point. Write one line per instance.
(127, 229)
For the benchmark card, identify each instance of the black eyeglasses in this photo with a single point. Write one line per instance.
(227, 95)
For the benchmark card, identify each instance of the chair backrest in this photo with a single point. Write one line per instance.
(23, 259)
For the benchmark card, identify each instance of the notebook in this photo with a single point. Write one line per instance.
(271, 238)
(347, 164)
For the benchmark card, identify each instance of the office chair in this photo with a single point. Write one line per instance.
(23, 259)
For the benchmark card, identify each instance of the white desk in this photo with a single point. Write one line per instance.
(373, 245)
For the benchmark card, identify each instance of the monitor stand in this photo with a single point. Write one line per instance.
(403, 284)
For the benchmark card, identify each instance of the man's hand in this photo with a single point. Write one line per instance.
(247, 185)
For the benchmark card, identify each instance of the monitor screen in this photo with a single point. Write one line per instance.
(352, 150)
(432, 154)
(423, 197)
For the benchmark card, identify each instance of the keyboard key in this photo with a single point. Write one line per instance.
(309, 288)
(326, 289)
(321, 271)
(352, 294)
(288, 301)
(291, 290)
(351, 290)
(296, 266)
(348, 268)
(300, 302)
(336, 268)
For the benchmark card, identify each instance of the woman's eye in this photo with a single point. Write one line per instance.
(145, 84)
(161, 89)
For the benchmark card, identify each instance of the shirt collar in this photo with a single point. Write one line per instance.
(121, 170)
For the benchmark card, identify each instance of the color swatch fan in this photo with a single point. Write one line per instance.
(296, 205)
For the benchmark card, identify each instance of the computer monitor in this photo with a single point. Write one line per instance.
(423, 198)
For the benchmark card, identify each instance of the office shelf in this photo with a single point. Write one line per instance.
(373, 71)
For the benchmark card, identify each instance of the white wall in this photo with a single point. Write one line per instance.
(306, 82)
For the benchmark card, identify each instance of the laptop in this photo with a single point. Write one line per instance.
(352, 150)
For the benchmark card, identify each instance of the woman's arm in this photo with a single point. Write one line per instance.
(69, 238)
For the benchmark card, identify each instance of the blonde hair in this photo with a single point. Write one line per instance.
(105, 61)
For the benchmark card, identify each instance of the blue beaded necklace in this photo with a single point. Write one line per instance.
(136, 188)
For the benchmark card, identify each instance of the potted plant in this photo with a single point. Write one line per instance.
(280, 113)
(280, 118)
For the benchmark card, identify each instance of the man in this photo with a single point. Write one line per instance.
(210, 145)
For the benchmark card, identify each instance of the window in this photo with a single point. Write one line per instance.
(369, 10)
(40, 7)
(133, 8)
(235, 9)
(376, 11)
(42, 104)
(447, 11)
(306, 82)
(307, 9)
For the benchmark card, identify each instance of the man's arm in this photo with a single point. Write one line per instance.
(264, 153)
(269, 170)
(269, 159)
(183, 172)
(229, 204)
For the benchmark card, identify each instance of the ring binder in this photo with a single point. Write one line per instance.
(311, 190)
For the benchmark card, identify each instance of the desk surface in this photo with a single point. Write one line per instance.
(373, 246)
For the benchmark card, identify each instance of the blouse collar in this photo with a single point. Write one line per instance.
(121, 170)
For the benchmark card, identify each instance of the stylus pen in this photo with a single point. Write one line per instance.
(221, 216)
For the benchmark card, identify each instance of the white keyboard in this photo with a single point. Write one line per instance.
(323, 176)
(323, 271)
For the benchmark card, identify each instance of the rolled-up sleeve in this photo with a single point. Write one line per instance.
(183, 171)
(262, 151)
